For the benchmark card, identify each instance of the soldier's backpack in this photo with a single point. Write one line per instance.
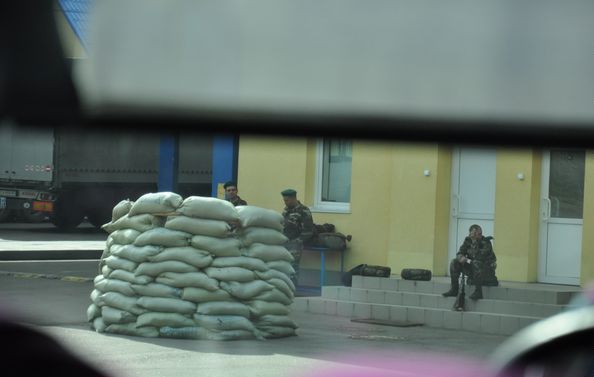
(334, 241)
(415, 274)
(365, 270)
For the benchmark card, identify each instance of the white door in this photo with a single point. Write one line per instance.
(561, 214)
(473, 194)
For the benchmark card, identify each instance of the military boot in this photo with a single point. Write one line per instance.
(478, 293)
(453, 292)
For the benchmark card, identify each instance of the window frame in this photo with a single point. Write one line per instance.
(319, 204)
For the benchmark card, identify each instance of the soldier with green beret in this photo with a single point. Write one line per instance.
(298, 227)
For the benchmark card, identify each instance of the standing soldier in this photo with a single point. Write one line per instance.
(231, 194)
(298, 227)
(476, 259)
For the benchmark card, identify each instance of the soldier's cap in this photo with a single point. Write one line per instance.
(229, 183)
(289, 192)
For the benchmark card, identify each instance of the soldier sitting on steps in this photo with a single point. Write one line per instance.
(476, 259)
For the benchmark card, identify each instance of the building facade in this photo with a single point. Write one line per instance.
(410, 205)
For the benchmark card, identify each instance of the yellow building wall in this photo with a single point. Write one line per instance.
(517, 214)
(419, 207)
(587, 264)
(70, 42)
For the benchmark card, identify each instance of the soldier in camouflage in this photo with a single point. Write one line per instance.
(231, 194)
(475, 259)
(298, 227)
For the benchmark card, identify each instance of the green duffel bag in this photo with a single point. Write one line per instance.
(415, 274)
(365, 270)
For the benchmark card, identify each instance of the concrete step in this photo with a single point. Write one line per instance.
(437, 301)
(484, 322)
(519, 292)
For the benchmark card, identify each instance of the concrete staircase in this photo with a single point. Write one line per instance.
(504, 310)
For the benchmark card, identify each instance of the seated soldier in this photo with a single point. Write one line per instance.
(477, 260)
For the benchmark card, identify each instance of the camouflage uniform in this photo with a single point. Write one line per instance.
(237, 201)
(482, 265)
(299, 229)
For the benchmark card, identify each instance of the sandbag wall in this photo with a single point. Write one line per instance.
(197, 268)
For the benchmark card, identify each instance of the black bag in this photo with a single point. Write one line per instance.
(415, 274)
(365, 270)
(334, 241)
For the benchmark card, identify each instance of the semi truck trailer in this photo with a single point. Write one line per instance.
(68, 174)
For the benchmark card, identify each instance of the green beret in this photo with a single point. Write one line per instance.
(289, 192)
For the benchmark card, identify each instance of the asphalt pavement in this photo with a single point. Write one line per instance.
(53, 296)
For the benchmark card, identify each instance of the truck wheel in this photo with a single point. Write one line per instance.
(66, 216)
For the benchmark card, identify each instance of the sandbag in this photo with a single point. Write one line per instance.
(270, 332)
(163, 237)
(134, 253)
(282, 286)
(157, 268)
(166, 305)
(189, 332)
(141, 223)
(117, 263)
(115, 285)
(188, 279)
(158, 319)
(219, 247)
(253, 264)
(232, 335)
(156, 290)
(119, 301)
(415, 274)
(187, 254)
(261, 308)
(252, 216)
(93, 311)
(223, 308)
(224, 322)
(246, 291)
(106, 271)
(274, 295)
(230, 274)
(131, 329)
(197, 226)
(282, 266)
(99, 325)
(267, 253)
(276, 320)
(272, 273)
(112, 315)
(266, 236)
(121, 209)
(123, 236)
(208, 208)
(159, 202)
(203, 295)
(130, 277)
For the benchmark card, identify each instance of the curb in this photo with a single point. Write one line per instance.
(31, 275)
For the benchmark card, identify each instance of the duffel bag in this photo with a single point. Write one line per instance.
(415, 274)
(365, 270)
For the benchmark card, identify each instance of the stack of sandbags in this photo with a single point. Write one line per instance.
(262, 239)
(174, 268)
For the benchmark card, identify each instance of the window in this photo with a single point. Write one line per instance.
(333, 184)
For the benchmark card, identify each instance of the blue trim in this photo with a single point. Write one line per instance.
(168, 163)
(224, 160)
(76, 13)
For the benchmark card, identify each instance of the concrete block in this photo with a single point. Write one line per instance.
(415, 315)
(491, 323)
(428, 301)
(345, 309)
(434, 318)
(398, 313)
(331, 307)
(498, 293)
(393, 298)
(452, 320)
(357, 281)
(406, 285)
(424, 287)
(389, 284)
(376, 296)
(362, 310)
(344, 293)
(484, 306)
(380, 312)
(541, 297)
(517, 294)
(439, 288)
(471, 321)
(445, 302)
(509, 325)
(300, 304)
(550, 297)
(370, 282)
(410, 299)
(330, 292)
(512, 308)
(317, 306)
(527, 321)
(359, 295)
